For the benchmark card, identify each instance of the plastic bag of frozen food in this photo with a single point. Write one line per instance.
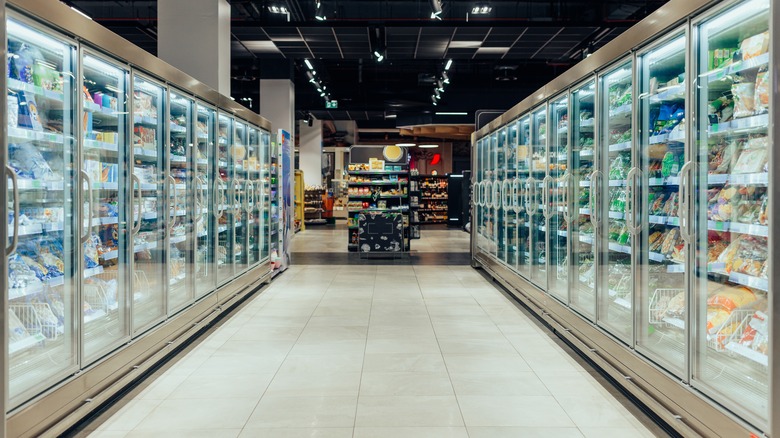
(731, 298)
(29, 162)
(744, 99)
(762, 92)
(754, 46)
(751, 160)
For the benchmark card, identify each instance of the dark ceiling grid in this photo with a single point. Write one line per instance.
(336, 38)
(487, 35)
(546, 43)
(514, 42)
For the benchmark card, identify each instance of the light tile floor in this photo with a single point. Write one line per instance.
(376, 352)
(329, 239)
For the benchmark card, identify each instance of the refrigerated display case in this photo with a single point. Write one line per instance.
(538, 184)
(182, 209)
(43, 269)
(148, 237)
(556, 204)
(583, 223)
(733, 181)
(238, 200)
(205, 223)
(645, 173)
(111, 160)
(105, 264)
(225, 200)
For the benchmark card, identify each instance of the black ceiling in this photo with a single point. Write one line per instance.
(526, 43)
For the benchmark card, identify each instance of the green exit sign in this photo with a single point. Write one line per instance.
(331, 104)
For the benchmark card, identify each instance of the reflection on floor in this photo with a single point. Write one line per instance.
(376, 351)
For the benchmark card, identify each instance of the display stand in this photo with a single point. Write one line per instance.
(380, 232)
(376, 189)
(433, 199)
(313, 206)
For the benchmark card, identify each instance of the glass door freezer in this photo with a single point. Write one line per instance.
(43, 268)
(538, 195)
(511, 197)
(224, 204)
(105, 167)
(583, 226)
(265, 194)
(557, 203)
(500, 187)
(662, 239)
(733, 190)
(617, 287)
(253, 205)
(148, 239)
(237, 209)
(526, 212)
(205, 223)
(181, 189)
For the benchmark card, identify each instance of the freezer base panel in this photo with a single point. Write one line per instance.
(676, 403)
(57, 410)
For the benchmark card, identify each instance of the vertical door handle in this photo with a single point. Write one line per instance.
(10, 173)
(90, 201)
(139, 199)
(631, 200)
(684, 203)
(175, 200)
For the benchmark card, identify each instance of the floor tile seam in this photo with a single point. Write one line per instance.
(444, 361)
(282, 362)
(363, 363)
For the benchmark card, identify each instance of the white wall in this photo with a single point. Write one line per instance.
(310, 152)
(194, 36)
(277, 104)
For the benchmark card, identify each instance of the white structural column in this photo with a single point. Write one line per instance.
(277, 104)
(194, 36)
(310, 154)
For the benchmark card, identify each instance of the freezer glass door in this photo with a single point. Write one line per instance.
(224, 203)
(181, 188)
(525, 210)
(500, 175)
(539, 196)
(733, 189)
(205, 261)
(558, 199)
(510, 210)
(238, 208)
(616, 293)
(105, 285)
(149, 236)
(480, 216)
(662, 246)
(253, 204)
(582, 227)
(41, 210)
(265, 193)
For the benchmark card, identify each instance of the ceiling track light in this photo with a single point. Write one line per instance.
(308, 64)
(319, 14)
(310, 75)
(481, 8)
(448, 65)
(436, 9)
(445, 77)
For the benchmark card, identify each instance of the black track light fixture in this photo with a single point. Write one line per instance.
(436, 9)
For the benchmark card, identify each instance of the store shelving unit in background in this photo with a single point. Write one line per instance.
(433, 199)
(377, 191)
(414, 204)
(313, 206)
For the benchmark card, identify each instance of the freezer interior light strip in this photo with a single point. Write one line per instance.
(102, 67)
(662, 54)
(745, 11)
(21, 31)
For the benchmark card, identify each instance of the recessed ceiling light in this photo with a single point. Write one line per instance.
(454, 113)
(405, 145)
(428, 146)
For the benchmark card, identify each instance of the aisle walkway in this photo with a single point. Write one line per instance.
(380, 352)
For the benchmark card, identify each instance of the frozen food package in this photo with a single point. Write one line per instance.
(676, 306)
(754, 46)
(761, 95)
(732, 298)
(751, 161)
(13, 111)
(744, 99)
(28, 161)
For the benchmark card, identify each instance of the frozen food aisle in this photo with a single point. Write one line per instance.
(137, 203)
(629, 202)
(376, 351)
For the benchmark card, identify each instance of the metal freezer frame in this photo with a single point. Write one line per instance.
(62, 404)
(683, 407)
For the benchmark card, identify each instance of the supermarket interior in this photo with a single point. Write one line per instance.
(407, 218)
